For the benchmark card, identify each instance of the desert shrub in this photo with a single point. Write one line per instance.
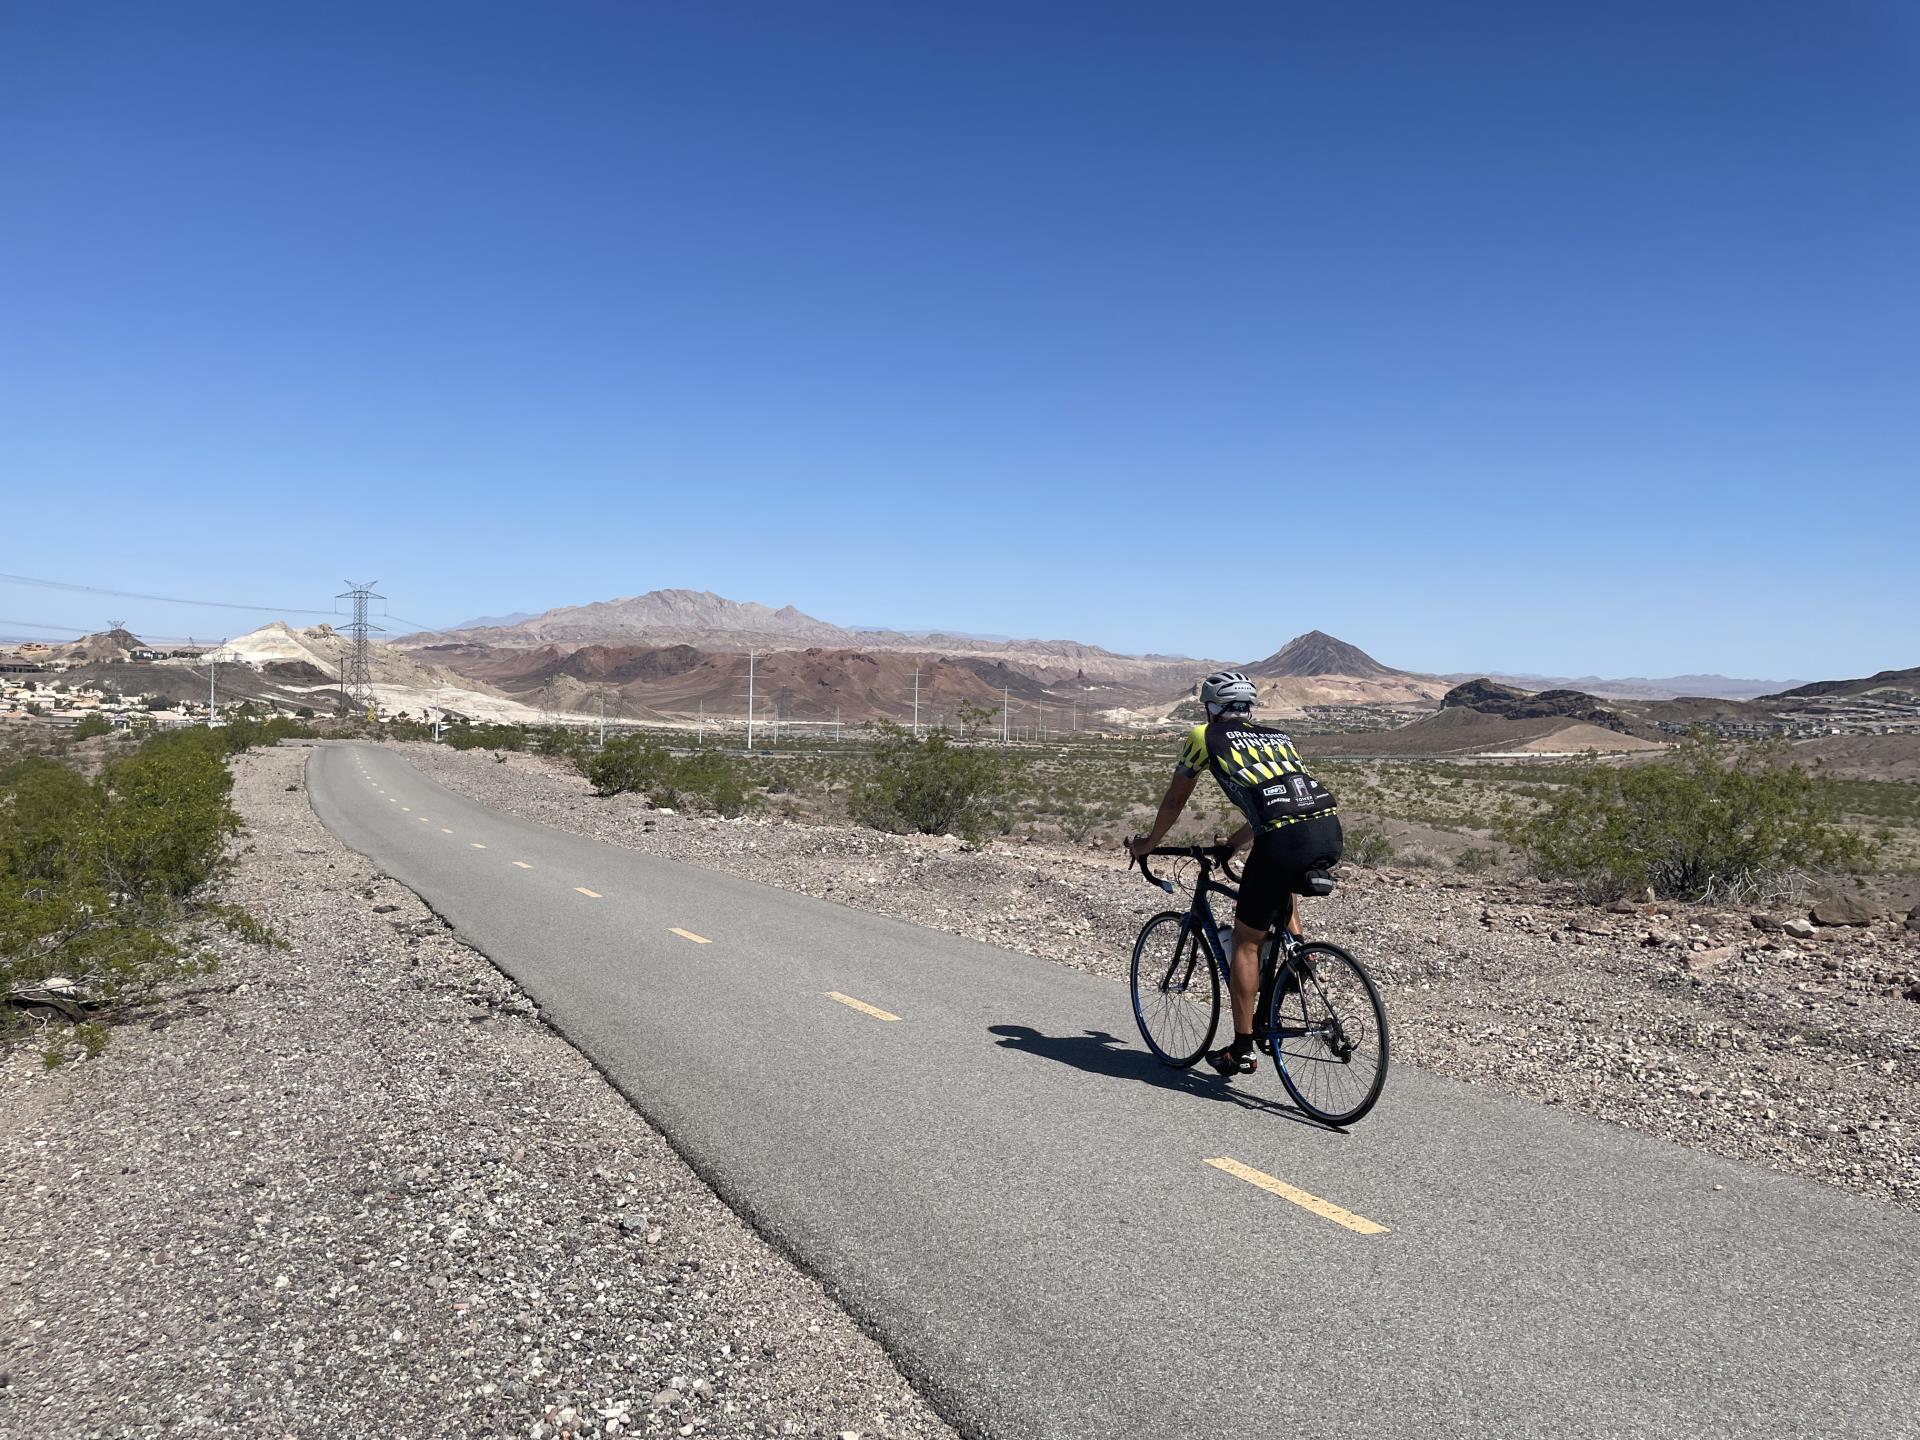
(704, 780)
(1476, 859)
(1367, 846)
(401, 727)
(248, 731)
(102, 881)
(91, 726)
(932, 785)
(628, 764)
(559, 740)
(486, 737)
(1699, 823)
(713, 781)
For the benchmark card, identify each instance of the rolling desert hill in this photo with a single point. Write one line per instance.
(304, 665)
(706, 621)
(101, 648)
(812, 684)
(1887, 682)
(1485, 717)
(1637, 687)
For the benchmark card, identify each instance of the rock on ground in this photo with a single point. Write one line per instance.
(355, 1187)
(1783, 1044)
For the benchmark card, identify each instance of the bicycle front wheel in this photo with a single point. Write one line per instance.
(1329, 1034)
(1176, 990)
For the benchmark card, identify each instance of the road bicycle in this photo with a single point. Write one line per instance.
(1319, 1015)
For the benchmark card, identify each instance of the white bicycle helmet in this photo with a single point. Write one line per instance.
(1226, 690)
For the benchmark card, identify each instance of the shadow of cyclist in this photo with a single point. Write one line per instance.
(1099, 1053)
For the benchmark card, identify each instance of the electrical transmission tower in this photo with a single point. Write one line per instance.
(356, 679)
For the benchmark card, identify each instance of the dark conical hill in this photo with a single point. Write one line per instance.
(1318, 653)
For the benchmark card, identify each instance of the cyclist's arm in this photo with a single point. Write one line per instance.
(1241, 837)
(1178, 789)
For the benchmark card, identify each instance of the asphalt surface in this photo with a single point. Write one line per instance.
(1014, 1197)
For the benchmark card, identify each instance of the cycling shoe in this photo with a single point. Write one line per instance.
(1227, 1063)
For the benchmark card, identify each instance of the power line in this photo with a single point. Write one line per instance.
(50, 629)
(162, 599)
(432, 629)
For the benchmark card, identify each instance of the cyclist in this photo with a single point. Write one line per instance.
(1291, 819)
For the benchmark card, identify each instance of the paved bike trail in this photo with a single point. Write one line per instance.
(1017, 1200)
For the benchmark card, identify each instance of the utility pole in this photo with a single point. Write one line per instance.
(776, 724)
(603, 719)
(1043, 720)
(749, 699)
(213, 659)
(703, 723)
(1006, 713)
(916, 702)
(836, 724)
(359, 677)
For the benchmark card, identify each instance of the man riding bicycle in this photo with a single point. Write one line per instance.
(1291, 819)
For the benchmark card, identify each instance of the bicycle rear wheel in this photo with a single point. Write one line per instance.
(1176, 990)
(1329, 1034)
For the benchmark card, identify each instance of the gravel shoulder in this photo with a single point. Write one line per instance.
(1693, 1024)
(356, 1186)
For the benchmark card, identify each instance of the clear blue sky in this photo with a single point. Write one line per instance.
(1496, 336)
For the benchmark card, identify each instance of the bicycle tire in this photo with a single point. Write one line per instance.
(1308, 1055)
(1175, 1011)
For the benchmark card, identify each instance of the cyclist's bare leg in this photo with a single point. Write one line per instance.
(1293, 921)
(1244, 981)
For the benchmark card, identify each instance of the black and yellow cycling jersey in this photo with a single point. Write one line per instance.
(1258, 768)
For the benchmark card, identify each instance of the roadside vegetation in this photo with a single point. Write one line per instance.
(105, 880)
(933, 785)
(1472, 817)
(703, 780)
(1699, 824)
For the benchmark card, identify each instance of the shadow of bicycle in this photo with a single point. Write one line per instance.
(1099, 1053)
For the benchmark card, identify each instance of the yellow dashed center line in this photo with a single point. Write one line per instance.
(445, 831)
(865, 1009)
(407, 808)
(476, 845)
(523, 865)
(1326, 1209)
(590, 894)
(425, 821)
(688, 935)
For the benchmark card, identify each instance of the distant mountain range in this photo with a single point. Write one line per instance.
(1312, 669)
(492, 622)
(712, 622)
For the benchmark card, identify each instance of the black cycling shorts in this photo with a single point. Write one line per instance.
(1277, 865)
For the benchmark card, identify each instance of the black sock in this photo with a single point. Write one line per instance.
(1242, 1044)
